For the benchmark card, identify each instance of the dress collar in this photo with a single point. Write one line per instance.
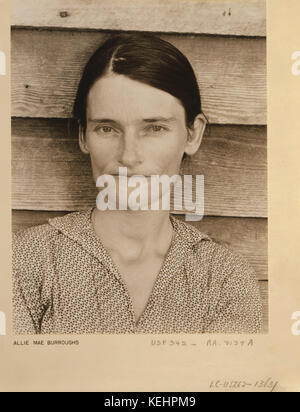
(78, 227)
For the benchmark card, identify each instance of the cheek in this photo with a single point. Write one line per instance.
(169, 149)
(101, 151)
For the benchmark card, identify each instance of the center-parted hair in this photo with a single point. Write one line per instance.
(147, 59)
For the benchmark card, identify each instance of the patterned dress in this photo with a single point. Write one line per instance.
(65, 282)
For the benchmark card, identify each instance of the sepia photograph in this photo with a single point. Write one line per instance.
(139, 167)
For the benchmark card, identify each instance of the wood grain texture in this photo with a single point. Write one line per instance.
(47, 66)
(49, 172)
(229, 17)
(246, 236)
(233, 160)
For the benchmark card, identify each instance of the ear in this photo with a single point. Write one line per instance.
(195, 135)
(82, 140)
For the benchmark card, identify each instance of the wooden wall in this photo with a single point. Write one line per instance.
(225, 42)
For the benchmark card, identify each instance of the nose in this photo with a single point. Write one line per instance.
(129, 153)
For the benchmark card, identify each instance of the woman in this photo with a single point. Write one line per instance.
(125, 271)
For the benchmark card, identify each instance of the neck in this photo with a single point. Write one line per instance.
(134, 234)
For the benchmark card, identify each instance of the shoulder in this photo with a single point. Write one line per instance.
(225, 275)
(218, 258)
(33, 233)
(37, 240)
(30, 248)
(188, 232)
(32, 237)
(54, 226)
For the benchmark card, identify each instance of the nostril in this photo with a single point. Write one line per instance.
(129, 154)
(129, 160)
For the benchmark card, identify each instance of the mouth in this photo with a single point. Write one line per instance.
(130, 175)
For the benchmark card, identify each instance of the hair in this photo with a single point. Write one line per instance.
(144, 58)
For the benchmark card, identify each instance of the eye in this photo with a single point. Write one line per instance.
(105, 130)
(157, 128)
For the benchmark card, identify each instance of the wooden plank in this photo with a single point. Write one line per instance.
(228, 17)
(233, 160)
(246, 236)
(50, 173)
(47, 66)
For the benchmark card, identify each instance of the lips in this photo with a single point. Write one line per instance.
(130, 175)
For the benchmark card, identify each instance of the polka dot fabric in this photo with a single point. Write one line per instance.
(65, 282)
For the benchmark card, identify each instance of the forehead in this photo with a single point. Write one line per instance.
(125, 99)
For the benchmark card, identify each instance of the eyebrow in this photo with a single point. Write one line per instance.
(103, 121)
(159, 119)
(148, 120)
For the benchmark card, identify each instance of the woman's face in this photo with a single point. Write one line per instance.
(133, 125)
